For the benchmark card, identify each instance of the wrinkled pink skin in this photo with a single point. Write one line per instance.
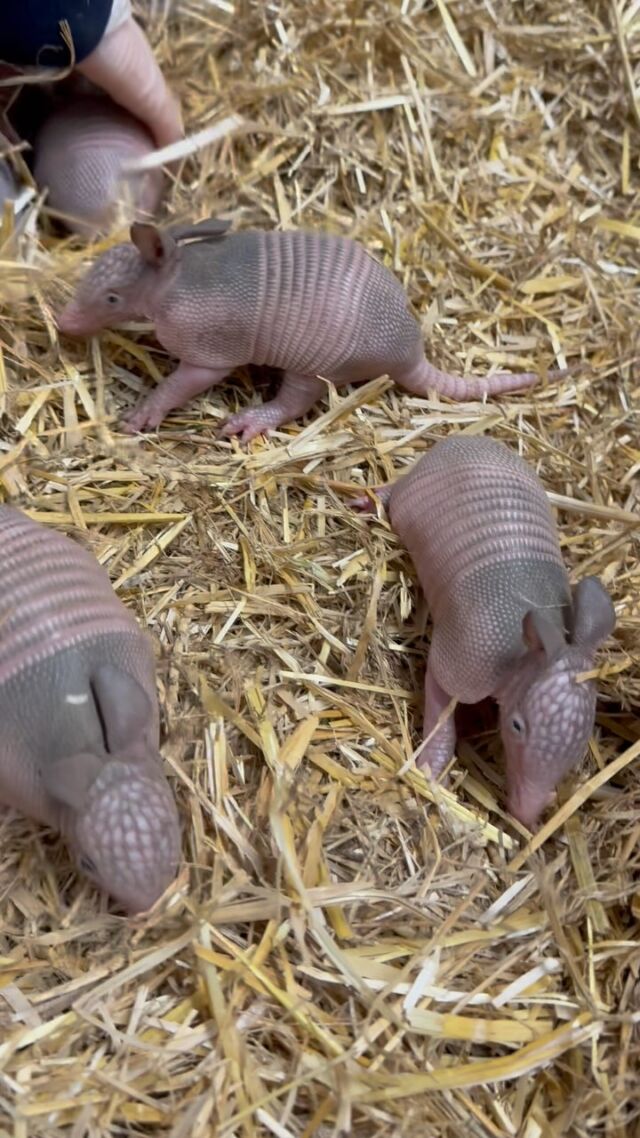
(482, 537)
(79, 714)
(79, 156)
(309, 304)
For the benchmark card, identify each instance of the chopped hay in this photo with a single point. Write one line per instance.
(356, 953)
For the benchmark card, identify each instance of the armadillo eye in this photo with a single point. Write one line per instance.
(517, 725)
(87, 865)
(113, 298)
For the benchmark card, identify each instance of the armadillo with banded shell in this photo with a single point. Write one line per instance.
(316, 306)
(81, 153)
(79, 714)
(480, 531)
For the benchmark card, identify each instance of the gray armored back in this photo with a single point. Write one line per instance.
(79, 712)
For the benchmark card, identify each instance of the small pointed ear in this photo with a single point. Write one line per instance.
(154, 246)
(593, 618)
(125, 708)
(541, 635)
(69, 780)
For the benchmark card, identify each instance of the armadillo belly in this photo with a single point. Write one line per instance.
(481, 534)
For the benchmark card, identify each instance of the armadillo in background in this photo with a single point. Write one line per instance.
(506, 623)
(9, 188)
(79, 714)
(310, 304)
(80, 154)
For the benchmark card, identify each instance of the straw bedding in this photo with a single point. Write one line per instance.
(348, 951)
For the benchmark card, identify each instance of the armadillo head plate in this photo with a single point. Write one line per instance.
(546, 721)
(126, 838)
(109, 293)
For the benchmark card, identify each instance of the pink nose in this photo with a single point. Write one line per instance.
(70, 322)
(527, 809)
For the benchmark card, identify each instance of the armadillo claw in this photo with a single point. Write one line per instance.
(368, 503)
(247, 424)
(142, 418)
(365, 503)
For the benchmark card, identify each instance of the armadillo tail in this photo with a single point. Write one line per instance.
(424, 377)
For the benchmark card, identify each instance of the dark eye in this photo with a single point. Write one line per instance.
(87, 865)
(113, 298)
(517, 725)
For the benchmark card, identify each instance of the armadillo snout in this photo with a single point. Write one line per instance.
(545, 726)
(128, 840)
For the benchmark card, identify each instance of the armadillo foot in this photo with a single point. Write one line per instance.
(145, 417)
(366, 503)
(249, 423)
(187, 381)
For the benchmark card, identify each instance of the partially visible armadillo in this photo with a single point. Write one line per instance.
(80, 154)
(311, 304)
(9, 188)
(506, 623)
(79, 714)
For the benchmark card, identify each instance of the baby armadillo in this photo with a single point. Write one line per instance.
(79, 714)
(310, 304)
(80, 152)
(506, 623)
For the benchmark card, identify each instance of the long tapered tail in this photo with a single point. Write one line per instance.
(424, 377)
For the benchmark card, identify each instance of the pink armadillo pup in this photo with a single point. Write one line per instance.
(480, 531)
(310, 304)
(78, 706)
(80, 153)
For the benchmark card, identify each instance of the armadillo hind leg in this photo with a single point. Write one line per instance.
(183, 384)
(297, 395)
(439, 749)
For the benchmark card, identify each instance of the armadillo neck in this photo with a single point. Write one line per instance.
(54, 595)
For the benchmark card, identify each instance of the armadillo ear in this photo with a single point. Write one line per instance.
(69, 780)
(154, 246)
(125, 708)
(542, 635)
(593, 618)
(212, 228)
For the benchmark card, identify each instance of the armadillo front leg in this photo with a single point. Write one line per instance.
(297, 394)
(177, 389)
(440, 748)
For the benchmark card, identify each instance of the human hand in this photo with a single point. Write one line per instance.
(107, 47)
(124, 66)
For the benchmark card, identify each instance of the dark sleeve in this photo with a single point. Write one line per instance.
(30, 32)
